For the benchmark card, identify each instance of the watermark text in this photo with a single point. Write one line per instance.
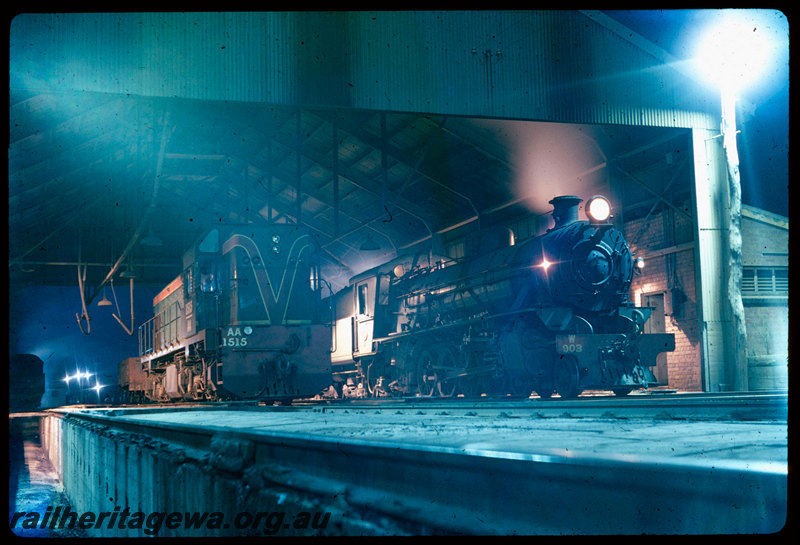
(268, 522)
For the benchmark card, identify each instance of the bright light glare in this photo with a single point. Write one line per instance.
(734, 53)
(544, 264)
(598, 209)
(640, 262)
(97, 388)
(67, 378)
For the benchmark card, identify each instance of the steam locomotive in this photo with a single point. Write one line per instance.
(243, 321)
(549, 315)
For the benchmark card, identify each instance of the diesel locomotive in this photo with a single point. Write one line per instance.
(549, 314)
(244, 320)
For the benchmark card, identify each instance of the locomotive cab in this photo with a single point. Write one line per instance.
(243, 321)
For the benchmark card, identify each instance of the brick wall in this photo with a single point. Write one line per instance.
(764, 243)
(767, 330)
(663, 230)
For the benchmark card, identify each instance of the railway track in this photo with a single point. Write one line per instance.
(696, 407)
(658, 406)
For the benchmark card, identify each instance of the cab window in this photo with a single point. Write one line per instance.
(362, 299)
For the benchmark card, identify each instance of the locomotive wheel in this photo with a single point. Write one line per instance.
(567, 377)
(545, 383)
(507, 385)
(420, 382)
(374, 374)
(472, 387)
(446, 359)
(545, 389)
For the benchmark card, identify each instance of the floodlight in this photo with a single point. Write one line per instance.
(733, 54)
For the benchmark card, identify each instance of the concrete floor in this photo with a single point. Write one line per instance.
(754, 444)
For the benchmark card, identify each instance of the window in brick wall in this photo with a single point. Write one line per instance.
(765, 282)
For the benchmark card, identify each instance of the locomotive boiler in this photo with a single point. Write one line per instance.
(550, 315)
(243, 321)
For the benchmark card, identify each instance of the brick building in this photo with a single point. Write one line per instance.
(665, 240)
(765, 294)
(667, 282)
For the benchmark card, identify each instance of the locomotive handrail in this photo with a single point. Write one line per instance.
(155, 334)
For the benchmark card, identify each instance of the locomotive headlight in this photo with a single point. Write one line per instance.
(598, 209)
(640, 262)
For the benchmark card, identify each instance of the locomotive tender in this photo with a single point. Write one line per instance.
(243, 321)
(549, 314)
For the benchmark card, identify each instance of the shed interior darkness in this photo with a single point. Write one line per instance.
(128, 183)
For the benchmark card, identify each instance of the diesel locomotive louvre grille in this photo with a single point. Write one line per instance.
(550, 314)
(244, 320)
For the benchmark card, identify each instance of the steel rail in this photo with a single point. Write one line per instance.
(728, 406)
(696, 406)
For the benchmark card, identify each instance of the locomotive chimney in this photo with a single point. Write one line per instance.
(565, 210)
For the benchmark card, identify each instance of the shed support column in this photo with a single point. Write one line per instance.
(721, 369)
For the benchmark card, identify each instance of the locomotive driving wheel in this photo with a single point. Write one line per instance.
(431, 368)
(566, 377)
(542, 363)
(446, 360)
(423, 378)
(544, 385)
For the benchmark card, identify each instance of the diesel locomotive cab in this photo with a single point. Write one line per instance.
(243, 321)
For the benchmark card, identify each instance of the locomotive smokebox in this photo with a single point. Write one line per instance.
(565, 210)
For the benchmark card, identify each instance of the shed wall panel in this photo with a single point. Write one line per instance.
(565, 66)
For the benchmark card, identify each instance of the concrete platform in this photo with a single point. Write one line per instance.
(754, 444)
(363, 465)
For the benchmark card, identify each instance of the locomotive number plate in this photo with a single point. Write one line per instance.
(570, 344)
(236, 336)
